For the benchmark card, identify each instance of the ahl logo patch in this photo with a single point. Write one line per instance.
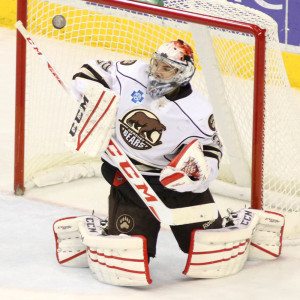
(125, 223)
(141, 129)
(137, 96)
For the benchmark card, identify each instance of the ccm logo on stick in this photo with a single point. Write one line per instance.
(126, 166)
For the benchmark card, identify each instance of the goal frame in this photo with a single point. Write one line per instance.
(258, 33)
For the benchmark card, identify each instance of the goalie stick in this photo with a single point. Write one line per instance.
(162, 213)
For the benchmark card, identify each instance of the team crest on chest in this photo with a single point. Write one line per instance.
(141, 129)
(137, 97)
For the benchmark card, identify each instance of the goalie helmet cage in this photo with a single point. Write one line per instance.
(239, 66)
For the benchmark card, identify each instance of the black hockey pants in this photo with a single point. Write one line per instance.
(128, 214)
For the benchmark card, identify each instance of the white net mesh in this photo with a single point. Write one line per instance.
(103, 32)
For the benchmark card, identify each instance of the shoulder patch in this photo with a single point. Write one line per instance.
(127, 62)
(211, 122)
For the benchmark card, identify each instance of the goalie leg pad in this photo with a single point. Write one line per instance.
(216, 253)
(70, 252)
(115, 259)
(266, 241)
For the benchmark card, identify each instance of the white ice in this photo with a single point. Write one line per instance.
(28, 267)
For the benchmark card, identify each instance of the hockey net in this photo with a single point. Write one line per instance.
(225, 60)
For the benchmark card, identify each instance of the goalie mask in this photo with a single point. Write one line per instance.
(171, 66)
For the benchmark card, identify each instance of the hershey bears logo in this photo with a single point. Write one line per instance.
(141, 129)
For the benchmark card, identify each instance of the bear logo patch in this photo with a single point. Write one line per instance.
(141, 129)
(125, 223)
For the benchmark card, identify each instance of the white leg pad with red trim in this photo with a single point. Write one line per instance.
(70, 252)
(94, 121)
(221, 252)
(115, 259)
(266, 241)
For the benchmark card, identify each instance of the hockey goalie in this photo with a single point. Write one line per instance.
(167, 130)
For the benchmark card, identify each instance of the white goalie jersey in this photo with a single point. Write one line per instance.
(152, 132)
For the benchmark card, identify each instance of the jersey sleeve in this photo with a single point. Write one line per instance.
(205, 128)
(96, 70)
